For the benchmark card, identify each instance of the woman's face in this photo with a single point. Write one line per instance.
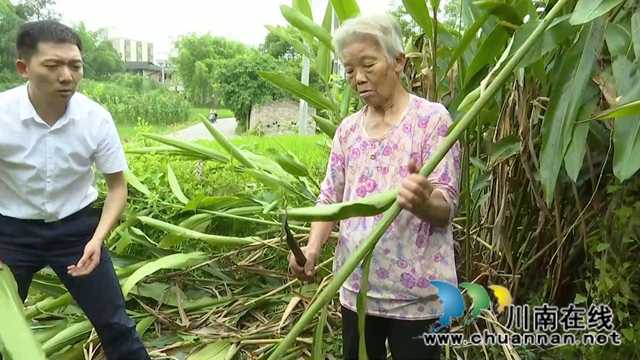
(369, 72)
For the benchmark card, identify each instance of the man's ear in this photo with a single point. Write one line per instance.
(22, 68)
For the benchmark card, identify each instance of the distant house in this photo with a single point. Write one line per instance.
(279, 117)
(146, 69)
(137, 55)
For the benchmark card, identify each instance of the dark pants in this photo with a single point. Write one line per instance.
(27, 246)
(403, 336)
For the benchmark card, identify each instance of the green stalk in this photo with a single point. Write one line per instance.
(370, 242)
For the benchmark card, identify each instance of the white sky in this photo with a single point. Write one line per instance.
(160, 21)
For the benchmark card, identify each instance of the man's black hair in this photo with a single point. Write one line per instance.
(31, 34)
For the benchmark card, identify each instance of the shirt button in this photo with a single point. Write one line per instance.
(373, 156)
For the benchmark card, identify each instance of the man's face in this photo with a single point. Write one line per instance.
(369, 72)
(54, 71)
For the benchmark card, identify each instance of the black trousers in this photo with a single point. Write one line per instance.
(403, 336)
(27, 246)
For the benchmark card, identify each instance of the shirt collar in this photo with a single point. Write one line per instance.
(28, 112)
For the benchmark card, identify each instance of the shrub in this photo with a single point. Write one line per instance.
(129, 106)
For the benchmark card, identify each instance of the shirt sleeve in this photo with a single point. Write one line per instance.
(446, 176)
(332, 187)
(109, 156)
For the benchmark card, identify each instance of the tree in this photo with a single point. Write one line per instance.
(30, 10)
(279, 48)
(195, 61)
(100, 57)
(241, 87)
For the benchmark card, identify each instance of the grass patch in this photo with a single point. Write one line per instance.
(127, 131)
(308, 149)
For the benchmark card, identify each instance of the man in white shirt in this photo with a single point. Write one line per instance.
(50, 138)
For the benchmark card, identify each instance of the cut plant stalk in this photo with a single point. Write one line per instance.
(17, 340)
(369, 243)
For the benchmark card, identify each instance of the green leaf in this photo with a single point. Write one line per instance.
(289, 162)
(559, 31)
(346, 9)
(300, 47)
(564, 103)
(630, 109)
(175, 187)
(304, 8)
(369, 206)
(588, 10)
(603, 247)
(420, 14)
(470, 35)
(500, 9)
(635, 32)
(323, 62)
(212, 351)
(197, 222)
(579, 299)
(488, 51)
(326, 126)
(345, 105)
(136, 183)
(201, 151)
(304, 24)
(626, 133)
(16, 339)
(316, 347)
(175, 261)
(628, 333)
(312, 96)
(574, 157)
(505, 148)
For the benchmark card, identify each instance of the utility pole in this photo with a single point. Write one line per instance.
(304, 107)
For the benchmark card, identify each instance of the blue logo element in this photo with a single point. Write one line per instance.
(453, 304)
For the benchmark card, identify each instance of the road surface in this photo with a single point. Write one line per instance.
(199, 131)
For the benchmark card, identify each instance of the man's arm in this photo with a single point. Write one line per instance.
(114, 205)
(111, 162)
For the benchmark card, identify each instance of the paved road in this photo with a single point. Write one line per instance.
(200, 132)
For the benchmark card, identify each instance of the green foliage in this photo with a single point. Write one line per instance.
(100, 57)
(241, 87)
(129, 105)
(197, 60)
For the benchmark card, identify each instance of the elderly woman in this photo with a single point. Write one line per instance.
(380, 148)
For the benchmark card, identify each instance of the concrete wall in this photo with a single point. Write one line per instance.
(279, 117)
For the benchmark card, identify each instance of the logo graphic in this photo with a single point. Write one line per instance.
(453, 303)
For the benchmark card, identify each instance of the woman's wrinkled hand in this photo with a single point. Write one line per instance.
(415, 190)
(306, 272)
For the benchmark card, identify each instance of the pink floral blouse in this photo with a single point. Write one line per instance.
(411, 252)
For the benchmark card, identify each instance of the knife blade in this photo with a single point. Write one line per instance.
(292, 243)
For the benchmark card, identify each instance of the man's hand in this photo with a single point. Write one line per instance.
(308, 272)
(0, 265)
(415, 191)
(90, 259)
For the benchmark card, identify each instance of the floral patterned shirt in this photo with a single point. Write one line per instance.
(411, 252)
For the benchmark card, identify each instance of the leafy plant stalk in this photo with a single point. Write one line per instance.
(369, 243)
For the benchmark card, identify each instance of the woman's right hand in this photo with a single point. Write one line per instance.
(306, 272)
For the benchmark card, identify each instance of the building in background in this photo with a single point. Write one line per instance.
(138, 56)
(169, 76)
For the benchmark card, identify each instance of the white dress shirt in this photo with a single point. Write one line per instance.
(46, 173)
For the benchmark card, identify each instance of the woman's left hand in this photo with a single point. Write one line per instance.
(415, 190)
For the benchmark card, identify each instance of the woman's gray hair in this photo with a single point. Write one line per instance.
(382, 27)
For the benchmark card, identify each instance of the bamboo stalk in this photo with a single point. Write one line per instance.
(369, 243)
